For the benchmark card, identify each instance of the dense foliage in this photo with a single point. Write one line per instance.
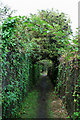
(51, 34)
(25, 41)
(17, 69)
(68, 80)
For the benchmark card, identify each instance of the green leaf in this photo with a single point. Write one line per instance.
(45, 33)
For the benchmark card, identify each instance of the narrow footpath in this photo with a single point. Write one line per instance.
(42, 102)
(50, 105)
(44, 87)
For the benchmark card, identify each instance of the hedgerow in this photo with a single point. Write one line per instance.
(68, 80)
(25, 41)
(16, 68)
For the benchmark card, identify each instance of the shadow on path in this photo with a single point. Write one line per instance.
(42, 102)
(43, 87)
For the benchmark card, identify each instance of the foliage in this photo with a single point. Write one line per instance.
(44, 36)
(52, 32)
(68, 78)
(16, 68)
(30, 106)
(25, 41)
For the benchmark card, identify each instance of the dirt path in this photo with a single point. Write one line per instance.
(42, 102)
(43, 88)
(50, 105)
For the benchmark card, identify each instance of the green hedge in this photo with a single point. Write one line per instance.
(17, 69)
(68, 86)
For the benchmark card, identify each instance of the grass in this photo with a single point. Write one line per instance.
(30, 105)
(55, 107)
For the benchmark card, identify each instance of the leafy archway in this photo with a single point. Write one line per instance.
(45, 34)
(25, 42)
(42, 35)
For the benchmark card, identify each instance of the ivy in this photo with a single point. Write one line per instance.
(25, 41)
(16, 66)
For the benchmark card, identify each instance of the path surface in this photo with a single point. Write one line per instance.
(49, 103)
(44, 87)
(42, 102)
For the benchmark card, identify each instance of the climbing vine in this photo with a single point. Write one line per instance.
(25, 41)
(68, 80)
(16, 68)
